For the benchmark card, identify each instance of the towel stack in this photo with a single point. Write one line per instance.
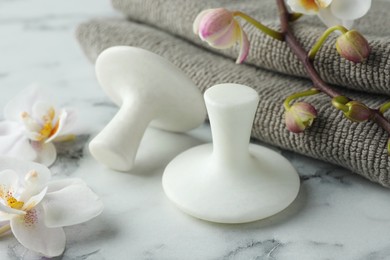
(165, 27)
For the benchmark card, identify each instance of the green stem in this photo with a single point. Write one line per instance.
(274, 34)
(384, 108)
(306, 93)
(316, 47)
(4, 229)
(339, 103)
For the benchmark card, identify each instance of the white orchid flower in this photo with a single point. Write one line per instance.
(37, 209)
(32, 124)
(332, 12)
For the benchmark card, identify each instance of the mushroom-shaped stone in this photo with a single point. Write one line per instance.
(150, 91)
(231, 180)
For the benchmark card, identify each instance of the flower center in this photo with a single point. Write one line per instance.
(42, 130)
(14, 203)
(6, 195)
(309, 5)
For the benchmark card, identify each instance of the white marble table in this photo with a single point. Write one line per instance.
(337, 215)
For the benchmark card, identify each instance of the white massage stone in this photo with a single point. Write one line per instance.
(230, 180)
(150, 91)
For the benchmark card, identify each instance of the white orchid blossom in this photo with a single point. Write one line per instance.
(37, 209)
(332, 12)
(32, 124)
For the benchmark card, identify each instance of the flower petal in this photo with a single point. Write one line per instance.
(22, 149)
(323, 3)
(8, 182)
(32, 233)
(5, 216)
(215, 23)
(46, 153)
(60, 125)
(23, 167)
(308, 7)
(66, 125)
(9, 210)
(350, 9)
(195, 25)
(328, 18)
(229, 38)
(10, 128)
(61, 184)
(43, 109)
(293, 125)
(31, 126)
(34, 200)
(73, 125)
(244, 47)
(72, 205)
(13, 142)
(23, 102)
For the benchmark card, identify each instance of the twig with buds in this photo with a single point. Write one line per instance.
(221, 29)
(353, 110)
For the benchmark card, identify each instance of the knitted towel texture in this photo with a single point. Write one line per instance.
(332, 138)
(177, 16)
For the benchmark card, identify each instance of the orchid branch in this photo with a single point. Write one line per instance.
(220, 29)
(319, 83)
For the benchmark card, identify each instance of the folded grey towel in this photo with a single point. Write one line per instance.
(332, 138)
(177, 16)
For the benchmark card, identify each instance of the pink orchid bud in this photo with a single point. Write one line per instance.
(353, 46)
(357, 111)
(300, 116)
(221, 30)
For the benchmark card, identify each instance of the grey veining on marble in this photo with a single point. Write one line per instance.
(337, 215)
